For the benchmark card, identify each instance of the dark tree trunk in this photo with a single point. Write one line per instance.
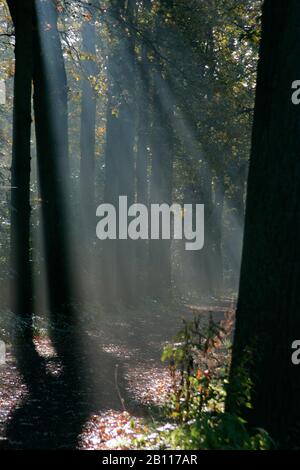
(87, 133)
(109, 247)
(127, 114)
(119, 179)
(142, 159)
(22, 14)
(160, 185)
(199, 265)
(268, 318)
(204, 257)
(51, 123)
(217, 220)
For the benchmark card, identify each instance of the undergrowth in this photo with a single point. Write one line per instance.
(194, 415)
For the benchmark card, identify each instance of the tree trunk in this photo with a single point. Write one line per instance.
(199, 267)
(22, 14)
(268, 318)
(51, 123)
(161, 186)
(217, 221)
(119, 177)
(142, 160)
(87, 135)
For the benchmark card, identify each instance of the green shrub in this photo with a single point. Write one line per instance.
(198, 361)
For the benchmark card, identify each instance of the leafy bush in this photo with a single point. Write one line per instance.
(218, 431)
(198, 362)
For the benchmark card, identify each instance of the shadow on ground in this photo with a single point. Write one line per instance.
(88, 375)
(82, 380)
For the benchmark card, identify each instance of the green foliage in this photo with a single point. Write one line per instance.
(221, 431)
(198, 362)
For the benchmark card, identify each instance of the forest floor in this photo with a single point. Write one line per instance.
(127, 382)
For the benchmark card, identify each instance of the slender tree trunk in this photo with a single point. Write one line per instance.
(22, 14)
(199, 265)
(87, 134)
(113, 148)
(205, 256)
(161, 182)
(51, 123)
(161, 187)
(119, 178)
(142, 160)
(126, 261)
(268, 318)
(113, 151)
(217, 220)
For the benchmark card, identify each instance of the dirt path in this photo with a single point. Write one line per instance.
(125, 374)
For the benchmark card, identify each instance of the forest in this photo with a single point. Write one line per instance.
(149, 195)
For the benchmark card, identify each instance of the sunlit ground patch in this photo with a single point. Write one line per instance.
(110, 430)
(149, 385)
(46, 350)
(44, 347)
(120, 351)
(12, 391)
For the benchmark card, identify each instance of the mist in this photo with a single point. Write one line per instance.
(125, 101)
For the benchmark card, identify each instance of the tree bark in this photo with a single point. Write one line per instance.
(119, 256)
(51, 124)
(161, 185)
(22, 15)
(87, 134)
(142, 158)
(268, 318)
